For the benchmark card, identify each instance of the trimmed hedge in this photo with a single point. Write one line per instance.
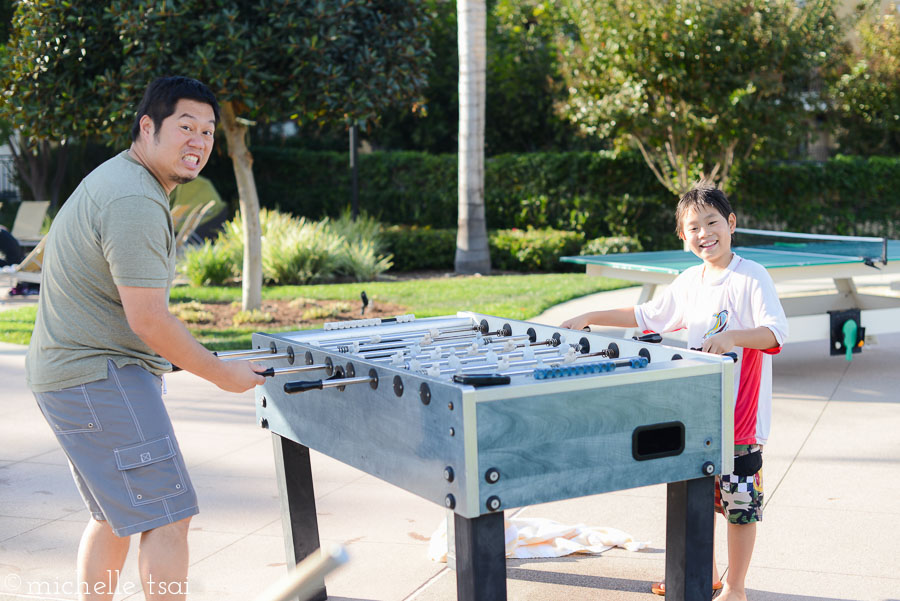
(575, 191)
(530, 250)
(596, 194)
(845, 195)
(417, 248)
(534, 250)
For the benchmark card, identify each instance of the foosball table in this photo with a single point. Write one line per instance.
(481, 414)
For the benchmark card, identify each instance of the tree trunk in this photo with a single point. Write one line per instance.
(472, 254)
(251, 275)
(31, 166)
(62, 161)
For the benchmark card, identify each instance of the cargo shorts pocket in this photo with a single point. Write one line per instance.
(69, 411)
(150, 470)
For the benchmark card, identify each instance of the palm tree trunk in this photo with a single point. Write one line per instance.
(472, 254)
(251, 276)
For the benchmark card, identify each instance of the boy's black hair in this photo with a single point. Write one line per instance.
(702, 196)
(163, 94)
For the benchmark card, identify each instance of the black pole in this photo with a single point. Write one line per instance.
(690, 522)
(354, 168)
(480, 558)
(298, 504)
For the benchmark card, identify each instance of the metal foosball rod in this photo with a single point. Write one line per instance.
(466, 348)
(482, 379)
(427, 336)
(399, 336)
(429, 341)
(268, 357)
(387, 349)
(487, 358)
(277, 371)
(304, 386)
(501, 345)
(554, 361)
(230, 355)
(415, 364)
(560, 369)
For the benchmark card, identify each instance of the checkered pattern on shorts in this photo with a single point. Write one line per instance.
(740, 498)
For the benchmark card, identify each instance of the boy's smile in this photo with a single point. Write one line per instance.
(708, 235)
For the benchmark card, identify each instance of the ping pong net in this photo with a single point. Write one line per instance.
(869, 250)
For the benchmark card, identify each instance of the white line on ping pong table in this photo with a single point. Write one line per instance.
(800, 253)
(832, 237)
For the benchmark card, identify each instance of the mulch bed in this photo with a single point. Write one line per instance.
(296, 313)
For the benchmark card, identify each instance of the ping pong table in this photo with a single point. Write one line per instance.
(812, 315)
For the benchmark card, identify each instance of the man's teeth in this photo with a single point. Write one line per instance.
(192, 158)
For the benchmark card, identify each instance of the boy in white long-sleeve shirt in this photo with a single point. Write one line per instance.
(727, 303)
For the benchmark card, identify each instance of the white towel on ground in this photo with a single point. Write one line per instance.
(528, 538)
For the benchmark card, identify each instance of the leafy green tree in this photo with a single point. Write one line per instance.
(339, 61)
(867, 94)
(696, 84)
(523, 87)
(50, 66)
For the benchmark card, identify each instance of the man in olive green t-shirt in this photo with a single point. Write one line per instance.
(104, 336)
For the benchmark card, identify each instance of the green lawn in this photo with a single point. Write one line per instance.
(512, 296)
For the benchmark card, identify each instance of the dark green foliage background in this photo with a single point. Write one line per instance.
(532, 250)
(593, 193)
(567, 191)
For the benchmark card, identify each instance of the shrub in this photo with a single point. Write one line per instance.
(360, 261)
(533, 249)
(300, 254)
(611, 245)
(253, 316)
(207, 264)
(650, 220)
(324, 311)
(298, 251)
(363, 228)
(415, 247)
(192, 312)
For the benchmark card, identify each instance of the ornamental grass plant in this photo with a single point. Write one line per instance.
(294, 251)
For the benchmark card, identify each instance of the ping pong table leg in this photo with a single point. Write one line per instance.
(847, 289)
(480, 558)
(298, 503)
(690, 522)
(647, 292)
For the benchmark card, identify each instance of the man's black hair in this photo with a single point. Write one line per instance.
(163, 94)
(698, 197)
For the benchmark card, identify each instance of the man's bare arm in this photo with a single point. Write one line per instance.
(148, 315)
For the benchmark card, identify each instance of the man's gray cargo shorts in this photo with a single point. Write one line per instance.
(122, 449)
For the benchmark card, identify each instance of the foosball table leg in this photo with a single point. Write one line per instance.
(480, 558)
(690, 523)
(297, 502)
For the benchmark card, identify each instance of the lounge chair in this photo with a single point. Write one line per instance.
(29, 270)
(189, 225)
(29, 221)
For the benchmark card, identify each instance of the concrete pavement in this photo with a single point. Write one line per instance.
(832, 481)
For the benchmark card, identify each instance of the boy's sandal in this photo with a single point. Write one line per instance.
(659, 588)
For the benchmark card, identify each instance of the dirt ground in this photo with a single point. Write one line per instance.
(299, 312)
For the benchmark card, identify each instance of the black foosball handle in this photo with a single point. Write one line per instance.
(730, 354)
(302, 386)
(653, 337)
